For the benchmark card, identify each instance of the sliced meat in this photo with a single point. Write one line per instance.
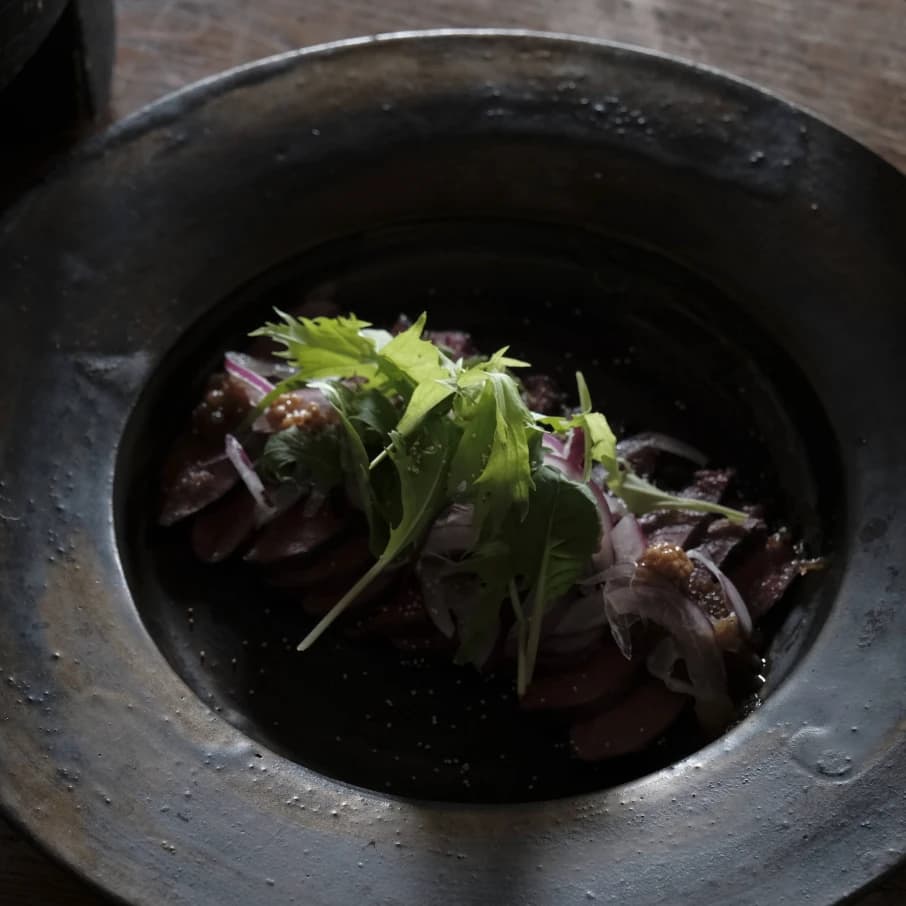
(221, 529)
(766, 573)
(223, 407)
(345, 561)
(685, 528)
(567, 649)
(725, 540)
(605, 677)
(297, 532)
(709, 484)
(319, 600)
(629, 726)
(402, 614)
(653, 454)
(194, 486)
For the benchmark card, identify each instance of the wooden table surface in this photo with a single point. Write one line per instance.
(844, 59)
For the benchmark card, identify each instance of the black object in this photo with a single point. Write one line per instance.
(500, 178)
(56, 61)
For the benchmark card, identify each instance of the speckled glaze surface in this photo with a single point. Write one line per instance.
(106, 755)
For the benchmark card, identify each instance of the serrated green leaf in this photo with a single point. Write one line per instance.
(550, 549)
(490, 564)
(492, 467)
(373, 415)
(306, 457)
(422, 462)
(427, 396)
(417, 359)
(324, 347)
(354, 460)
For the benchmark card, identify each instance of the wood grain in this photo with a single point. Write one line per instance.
(844, 60)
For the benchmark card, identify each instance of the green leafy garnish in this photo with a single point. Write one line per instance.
(639, 495)
(305, 457)
(551, 548)
(642, 496)
(418, 432)
(324, 347)
(422, 468)
(354, 460)
(492, 468)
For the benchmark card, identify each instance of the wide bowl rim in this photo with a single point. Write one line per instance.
(174, 105)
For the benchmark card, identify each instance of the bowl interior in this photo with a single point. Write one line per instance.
(662, 349)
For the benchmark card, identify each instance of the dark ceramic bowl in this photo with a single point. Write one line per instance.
(721, 265)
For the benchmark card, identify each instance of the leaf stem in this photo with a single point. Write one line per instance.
(341, 605)
(379, 458)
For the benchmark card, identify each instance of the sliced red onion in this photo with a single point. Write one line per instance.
(647, 596)
(431, 573)
(662, 442)
(264, 508)
(567, 456)
(553, 443)
(449, 595)
(257, 386)
(574, 450)
(266, 368)
(452, 533)
(570, 626)
(661, 664)
(731, 593)
(604, 556)
(562, 465)
(628, 539)
(576, 616)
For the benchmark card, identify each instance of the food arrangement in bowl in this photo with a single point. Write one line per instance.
(536, 602)
(419, 492)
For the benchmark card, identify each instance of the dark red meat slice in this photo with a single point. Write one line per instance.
(725, 539)
(709, 484)
(344, 562)
(221, 529)
(222, 409)
(319, 600)
(606, 675)
(296, 532)
(682, 527)
(402, 614)
(764, 575)
(629, 726)
(195, 485)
